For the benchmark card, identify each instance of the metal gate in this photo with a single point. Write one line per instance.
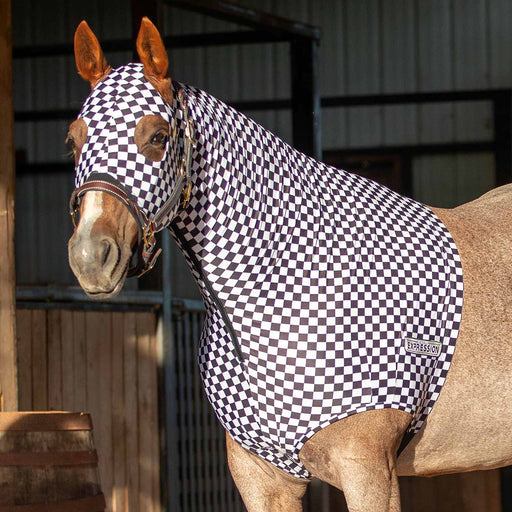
(204, 480)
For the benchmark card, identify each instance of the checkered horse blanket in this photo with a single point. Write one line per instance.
(326, 294)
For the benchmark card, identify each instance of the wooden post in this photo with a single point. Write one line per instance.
(8, 371)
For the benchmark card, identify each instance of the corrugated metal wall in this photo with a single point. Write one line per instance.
(368, 47)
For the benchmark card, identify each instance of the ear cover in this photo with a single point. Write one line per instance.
(153, 56)
(90, 61)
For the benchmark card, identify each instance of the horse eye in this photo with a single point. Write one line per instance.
(159, 140)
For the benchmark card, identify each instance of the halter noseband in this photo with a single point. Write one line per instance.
(146, 241)
(146, 228)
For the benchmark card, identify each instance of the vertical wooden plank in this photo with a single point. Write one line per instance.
(54, 360)
(104, 377)
(145, 376)
(479, 491)
(119, 503)
(39, 361)
(24, 344)
(68, 367)
(155, 428)
(131, 406)
(98, 391)
(79, 360)
(493, 491)
(8, 372)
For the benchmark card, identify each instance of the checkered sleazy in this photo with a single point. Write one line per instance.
(315, 280)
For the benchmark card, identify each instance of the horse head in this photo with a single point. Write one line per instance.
(129, 176)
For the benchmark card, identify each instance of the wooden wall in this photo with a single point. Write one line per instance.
(104, 363)
(478, 491)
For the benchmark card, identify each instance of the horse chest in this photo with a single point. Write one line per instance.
(320, 318)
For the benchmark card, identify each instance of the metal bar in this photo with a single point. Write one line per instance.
(183, 502)
(168, 408)
(171, 42)
(198, 423)
(234, 37)
(417, 149)
(305, 99)
(405, 98)
(85, 306)
(54, 50)
(412, 150)
(239, 14)
(66, 114)
(325, 102)
(502, 117)
(52, 293)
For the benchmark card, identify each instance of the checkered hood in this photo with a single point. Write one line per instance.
(111, 113)
(318, 283)
(319, 286)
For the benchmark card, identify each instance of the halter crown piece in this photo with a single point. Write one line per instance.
(111, 162)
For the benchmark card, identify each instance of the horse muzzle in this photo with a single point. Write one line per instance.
(99, 263)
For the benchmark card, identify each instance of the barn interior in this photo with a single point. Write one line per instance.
(414, 94)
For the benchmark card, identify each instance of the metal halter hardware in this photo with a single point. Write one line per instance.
(105, 182)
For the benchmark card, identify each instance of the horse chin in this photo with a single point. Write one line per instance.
(94, 292)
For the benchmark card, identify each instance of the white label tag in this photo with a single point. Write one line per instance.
(426, 348)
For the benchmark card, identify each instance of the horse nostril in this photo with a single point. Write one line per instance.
(106, 250)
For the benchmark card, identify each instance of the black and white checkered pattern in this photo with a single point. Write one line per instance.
(317, 275)
(111, 113)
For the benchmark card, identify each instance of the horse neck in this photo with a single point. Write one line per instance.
(233, 174)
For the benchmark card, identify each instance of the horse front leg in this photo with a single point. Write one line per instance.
(358, 456)
(263, 487)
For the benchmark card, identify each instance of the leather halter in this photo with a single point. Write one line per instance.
(146, 240)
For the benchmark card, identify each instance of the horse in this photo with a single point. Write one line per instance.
(151, 153)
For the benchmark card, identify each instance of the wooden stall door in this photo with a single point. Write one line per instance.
(104, 363)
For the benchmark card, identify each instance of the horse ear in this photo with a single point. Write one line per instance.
(153, 56)
(90, 61)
